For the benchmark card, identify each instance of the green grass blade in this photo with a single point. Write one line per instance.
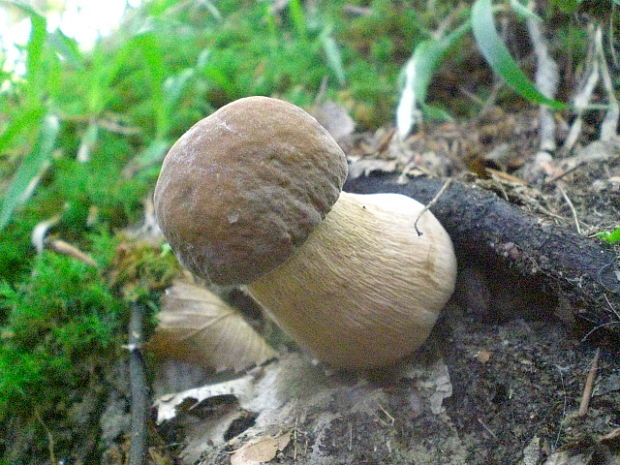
(35, 71)
(298, 18)
(159, 7)
(150, 49)
(566, 6)
(334, 58)
(428, 56)
(22, 6)
(523, 11)
(418, 72)
(87, 142)
(67, 48)
(21, 122)
(612, 237)
(434, 113)
(101, 74)
(499, 58)
(174, 86)
(153, 153)
(213, 10)
(30, 170)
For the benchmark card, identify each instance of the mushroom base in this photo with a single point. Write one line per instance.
(364, 289)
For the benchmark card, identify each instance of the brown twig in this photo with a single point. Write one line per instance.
(587, 390)
(50, 437)
(487, 429)
(430, 204)
(571, 207)
(564, 173)
(64, 248)
(139, 396)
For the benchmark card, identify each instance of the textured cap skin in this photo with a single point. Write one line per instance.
(243, 188)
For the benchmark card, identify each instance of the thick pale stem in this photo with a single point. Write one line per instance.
(365, 289)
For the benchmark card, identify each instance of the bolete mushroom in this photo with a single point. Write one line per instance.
(252, 195)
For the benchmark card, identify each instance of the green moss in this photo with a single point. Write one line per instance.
(63, 326)
(52, 321)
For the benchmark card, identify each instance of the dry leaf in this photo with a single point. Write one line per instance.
(505, 178)
(259, 451)
(335, 119)
(169, 405)
(483, 356)
(196, 326)
(367, 166)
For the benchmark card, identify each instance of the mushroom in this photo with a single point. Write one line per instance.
(252, 195)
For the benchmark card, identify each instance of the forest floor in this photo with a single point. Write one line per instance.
(497, 383)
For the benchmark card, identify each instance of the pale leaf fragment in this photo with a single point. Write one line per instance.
(335, 119)
(198, 327)
(260, 451)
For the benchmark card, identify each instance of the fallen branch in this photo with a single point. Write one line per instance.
(581, 272)
(587, 390)
(139, 397)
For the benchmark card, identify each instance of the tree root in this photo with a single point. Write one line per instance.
(582, 273)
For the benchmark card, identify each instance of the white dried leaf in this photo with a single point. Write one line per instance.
(167, 405)
(259, 451)
(407, 113)
(531, 454)
(434, 378)
(198, 327)
(39, 232)
(367, 166)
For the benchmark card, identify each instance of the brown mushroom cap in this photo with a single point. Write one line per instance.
(242, 189)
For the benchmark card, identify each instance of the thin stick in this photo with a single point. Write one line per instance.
(587, 390)
(50, 437)
(610, 122)
(557, 438)
(611, 307)
(488, 430)
(139, 397)
(572, 208)
(387, 414)
(547, 78)
(568, 171)
(583, 96)
(490, 101)
(430, 204)
(64, 248)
